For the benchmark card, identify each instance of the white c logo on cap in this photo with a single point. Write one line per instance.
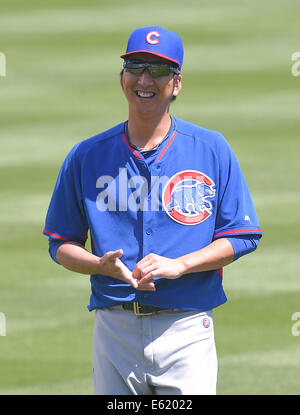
(150, 40)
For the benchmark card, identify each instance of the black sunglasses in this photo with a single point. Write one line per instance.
(155, 69)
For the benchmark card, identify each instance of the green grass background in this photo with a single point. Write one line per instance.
(62, 86)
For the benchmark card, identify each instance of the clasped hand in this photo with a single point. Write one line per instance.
(142, 276)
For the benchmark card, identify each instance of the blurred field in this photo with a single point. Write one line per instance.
(62, 86)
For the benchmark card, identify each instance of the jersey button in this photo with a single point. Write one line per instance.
(148, 232)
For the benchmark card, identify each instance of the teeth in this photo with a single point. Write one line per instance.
(145, 94)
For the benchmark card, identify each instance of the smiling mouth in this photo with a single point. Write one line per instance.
(143, 94)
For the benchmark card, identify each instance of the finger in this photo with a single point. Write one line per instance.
(133, 283)
(148, 259)
(114, 254)
(139, 269)
(149, 276)
(148, 286)
(147, 270)
(136, 273)
(128, 277)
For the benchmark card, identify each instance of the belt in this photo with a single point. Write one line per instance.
(141, 309)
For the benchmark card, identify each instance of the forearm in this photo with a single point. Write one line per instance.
(75, 257)
(214, 256)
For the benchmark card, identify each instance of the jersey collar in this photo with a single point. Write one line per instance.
(171, 135)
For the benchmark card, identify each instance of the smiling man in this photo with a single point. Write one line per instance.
(167, 207)
(149, 96)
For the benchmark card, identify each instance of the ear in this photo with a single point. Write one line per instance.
(121, 78)
(177, 85)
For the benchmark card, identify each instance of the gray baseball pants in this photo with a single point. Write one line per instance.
(167, 353)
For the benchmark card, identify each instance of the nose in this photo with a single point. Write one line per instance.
(145, 78)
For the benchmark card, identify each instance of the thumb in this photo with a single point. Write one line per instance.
(112, 255)
(115, 254)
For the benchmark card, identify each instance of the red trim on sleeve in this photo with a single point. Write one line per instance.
(238, 231)
(128, 145)
(55, 235)
(167, 146)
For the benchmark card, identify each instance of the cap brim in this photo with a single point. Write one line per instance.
(151, 53)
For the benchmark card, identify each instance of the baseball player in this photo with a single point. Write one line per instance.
(167, 207)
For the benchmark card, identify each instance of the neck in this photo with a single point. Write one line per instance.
(146, 133)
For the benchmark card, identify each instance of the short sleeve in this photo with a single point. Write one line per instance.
(236, 213)
(66, 219)
(243, 245)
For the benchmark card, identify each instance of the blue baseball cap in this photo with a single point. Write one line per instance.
(157, 41)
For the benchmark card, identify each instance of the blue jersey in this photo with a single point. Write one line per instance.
(189, 192)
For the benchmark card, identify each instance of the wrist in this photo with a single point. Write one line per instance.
(183, 265)
(192, 262)
(96, 265)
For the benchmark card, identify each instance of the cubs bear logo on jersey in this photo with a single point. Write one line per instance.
(186, 197)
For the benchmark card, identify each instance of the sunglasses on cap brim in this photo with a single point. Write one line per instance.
(155, 69)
